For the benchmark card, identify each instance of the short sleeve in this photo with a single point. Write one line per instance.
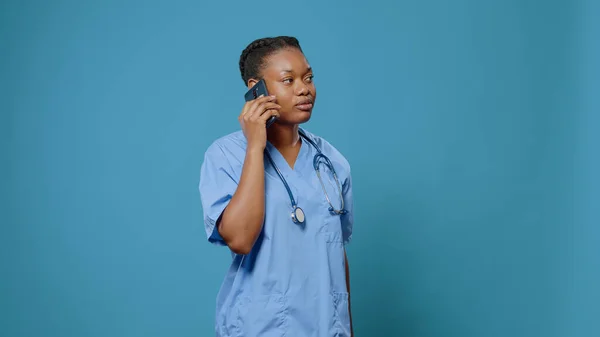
(217, 186)
(348, 218)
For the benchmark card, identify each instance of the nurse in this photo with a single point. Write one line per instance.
(288, 277)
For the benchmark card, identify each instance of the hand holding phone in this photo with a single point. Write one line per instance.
(259, 112)
(257, 90)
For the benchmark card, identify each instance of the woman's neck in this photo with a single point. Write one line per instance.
(286, 140)
(283, 136)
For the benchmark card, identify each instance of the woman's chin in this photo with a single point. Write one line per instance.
(296, 117)
(303, 118)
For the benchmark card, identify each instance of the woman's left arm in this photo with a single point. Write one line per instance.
(348, 288)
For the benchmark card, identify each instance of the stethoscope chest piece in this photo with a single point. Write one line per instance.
(298, 215)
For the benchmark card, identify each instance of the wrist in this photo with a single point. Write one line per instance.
(254, 149)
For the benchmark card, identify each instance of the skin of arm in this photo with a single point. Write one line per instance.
(241, 221)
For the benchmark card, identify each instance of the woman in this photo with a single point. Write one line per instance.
(263, 198)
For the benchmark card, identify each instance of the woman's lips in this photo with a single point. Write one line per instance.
(304, 106)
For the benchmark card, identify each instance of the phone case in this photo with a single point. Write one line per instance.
(260, 88)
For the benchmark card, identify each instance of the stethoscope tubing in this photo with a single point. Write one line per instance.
(316, 161)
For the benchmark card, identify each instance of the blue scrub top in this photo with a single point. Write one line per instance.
(293, 282)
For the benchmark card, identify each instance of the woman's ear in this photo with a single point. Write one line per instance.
(252, 82)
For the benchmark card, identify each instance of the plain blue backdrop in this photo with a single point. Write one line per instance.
(471, 127)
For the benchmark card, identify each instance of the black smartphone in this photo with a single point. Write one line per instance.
(260, 88)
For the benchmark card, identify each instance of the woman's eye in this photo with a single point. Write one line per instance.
(310, 78)
(287, 80)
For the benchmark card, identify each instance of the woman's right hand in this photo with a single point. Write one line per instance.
(253, 120)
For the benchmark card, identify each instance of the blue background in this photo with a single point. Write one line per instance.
(471, 126)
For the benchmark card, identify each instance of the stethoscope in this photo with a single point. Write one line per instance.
(298, 215)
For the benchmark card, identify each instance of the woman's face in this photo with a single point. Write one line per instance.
(289, 77)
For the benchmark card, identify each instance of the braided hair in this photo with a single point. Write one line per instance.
(253, 57)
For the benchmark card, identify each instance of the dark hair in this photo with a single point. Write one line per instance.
(252, 58)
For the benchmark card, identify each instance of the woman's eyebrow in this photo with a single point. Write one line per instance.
(309, 69)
